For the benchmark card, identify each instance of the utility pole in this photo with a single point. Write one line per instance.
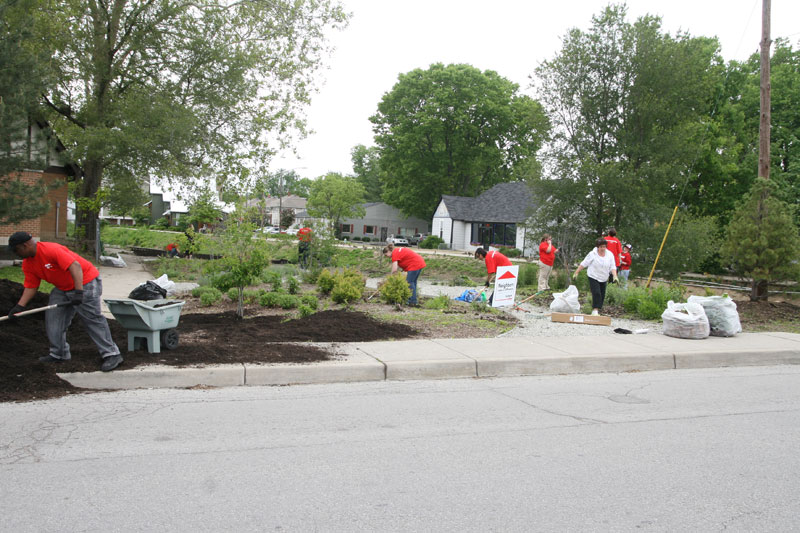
(764, 125)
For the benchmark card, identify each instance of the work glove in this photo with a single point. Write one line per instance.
(75, 297)
(616, 279)
(14, 310)
(575, 276)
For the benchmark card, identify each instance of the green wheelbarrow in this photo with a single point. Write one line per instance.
(152, 321)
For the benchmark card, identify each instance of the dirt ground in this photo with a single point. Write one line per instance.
(205, 338)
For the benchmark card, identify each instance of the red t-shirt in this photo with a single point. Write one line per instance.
(407, 259)
(170, 246)
(625, 261)
(304, 234)
(544, 257)
(51, 263)
(614, 246)
(494, 260)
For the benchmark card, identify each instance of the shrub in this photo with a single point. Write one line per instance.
(273, 278)
(395, 289)
(431, 242)
(649, 310)
(210, 296)
(305, 310)
(251, 296)
(293, 285)
(269, 299)
(311, 276)
(325, 281)
(287, 301)
(309, 300)
(462, 280)
(348, 286)
(233, 294)
(198, 292)
(512, 252)
(440, 302)
(529, 275)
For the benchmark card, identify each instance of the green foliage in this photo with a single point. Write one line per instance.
(287, 301)
(649, 310)
(15, 274)
(243, 258)
(310, 300)
(325, 281)
(366, 167)
(293, 286)
(528, 275)
(461, 279)
(348, 286)
(762, 241)
(629, 104)
(233, 294)
(305, 310)
(335, 197)
(454, 130)
(395, 289)
(20, 201)
(512, 252)
(441, 302)
(269, 299)
(162, 223)
(431, 242)
(203, 209)
(210, 296)
(646, 304)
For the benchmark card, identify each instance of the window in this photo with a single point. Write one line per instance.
(500, 234)
(369, 230)
(347, 228)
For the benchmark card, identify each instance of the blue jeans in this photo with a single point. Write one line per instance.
(411, 278)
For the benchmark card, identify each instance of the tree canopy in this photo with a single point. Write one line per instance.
(179, 89)
(367, 170)
(453, 130)
(335, 197)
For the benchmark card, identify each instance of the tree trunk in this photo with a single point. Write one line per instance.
(86, 220)
(759, 290)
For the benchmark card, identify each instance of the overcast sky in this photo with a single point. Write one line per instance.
(388, 37)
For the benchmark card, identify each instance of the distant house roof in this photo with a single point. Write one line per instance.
(505, 202)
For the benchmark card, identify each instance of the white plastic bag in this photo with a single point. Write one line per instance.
(723, 318)
(566, 302)
(165, 283)
(113, 261)
(685, 321)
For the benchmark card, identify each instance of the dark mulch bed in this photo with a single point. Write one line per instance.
(204, 339)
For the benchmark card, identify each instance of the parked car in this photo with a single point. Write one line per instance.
(397, 241)
(291, 231)
(417, 238)
(270, 230)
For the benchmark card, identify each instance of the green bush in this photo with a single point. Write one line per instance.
(348, 286)
(198, 292)
(431, 242)
(440, 302)
(529, 275)
(293, 285)
(287, 301)
(210, 297)
(251, 296)
(461, 280)
(512, 252)
(309, 300)
(269, 299)
(649, 310)
(272, 277)
(233, 294)
(395, 289)
(325, 281)
(305, 310)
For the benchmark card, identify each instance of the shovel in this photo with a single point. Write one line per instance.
(37, 310)
(517, 306)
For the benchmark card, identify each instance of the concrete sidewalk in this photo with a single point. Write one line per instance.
(471, 358)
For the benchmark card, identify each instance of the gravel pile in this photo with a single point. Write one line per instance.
(535, 320)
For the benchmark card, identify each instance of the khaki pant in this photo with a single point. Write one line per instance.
(544, 275)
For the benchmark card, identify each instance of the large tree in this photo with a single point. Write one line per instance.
(179, 89)
(366, 167)
(454, 130)
(628, 104)
(23, 77)
(335, 197)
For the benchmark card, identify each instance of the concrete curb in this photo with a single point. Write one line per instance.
(470, 358)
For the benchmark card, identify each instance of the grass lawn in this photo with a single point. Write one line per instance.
(14, 273)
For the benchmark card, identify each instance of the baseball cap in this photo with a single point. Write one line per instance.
(16, 238)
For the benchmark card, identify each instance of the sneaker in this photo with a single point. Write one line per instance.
(595, 312)
(50, 359)
(111, 362)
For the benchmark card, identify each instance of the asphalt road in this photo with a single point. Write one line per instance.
(704, 450)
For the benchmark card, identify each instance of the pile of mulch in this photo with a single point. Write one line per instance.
(760, 314)
(204, 339)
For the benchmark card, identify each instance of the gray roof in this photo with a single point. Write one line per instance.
(505, 202)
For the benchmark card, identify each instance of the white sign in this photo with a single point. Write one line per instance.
(505, 286)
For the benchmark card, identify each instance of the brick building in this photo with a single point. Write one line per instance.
(48, 164)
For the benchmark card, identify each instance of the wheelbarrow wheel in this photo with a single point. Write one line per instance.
(169, 339)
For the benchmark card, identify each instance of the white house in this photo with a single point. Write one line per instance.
(494, 218)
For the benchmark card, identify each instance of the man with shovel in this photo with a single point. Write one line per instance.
(76, 281)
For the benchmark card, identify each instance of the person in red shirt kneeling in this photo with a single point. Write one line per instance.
(493, 260)
(409, 262)
(77, 290)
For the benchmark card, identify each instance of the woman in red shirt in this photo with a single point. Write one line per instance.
(409, 262)
(547, 256)
(492, 260)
